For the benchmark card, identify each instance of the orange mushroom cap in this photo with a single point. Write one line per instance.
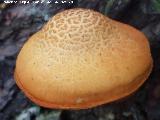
(81, 59)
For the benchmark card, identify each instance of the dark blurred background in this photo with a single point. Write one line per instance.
(18, 21)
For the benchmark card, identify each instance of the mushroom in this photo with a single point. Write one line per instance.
(81, 59)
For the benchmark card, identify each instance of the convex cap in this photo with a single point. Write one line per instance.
(81, 59)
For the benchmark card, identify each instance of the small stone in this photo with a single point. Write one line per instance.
(127, 114)
(110, 116)
(26, 114)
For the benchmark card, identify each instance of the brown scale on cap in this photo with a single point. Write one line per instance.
(81, 59)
